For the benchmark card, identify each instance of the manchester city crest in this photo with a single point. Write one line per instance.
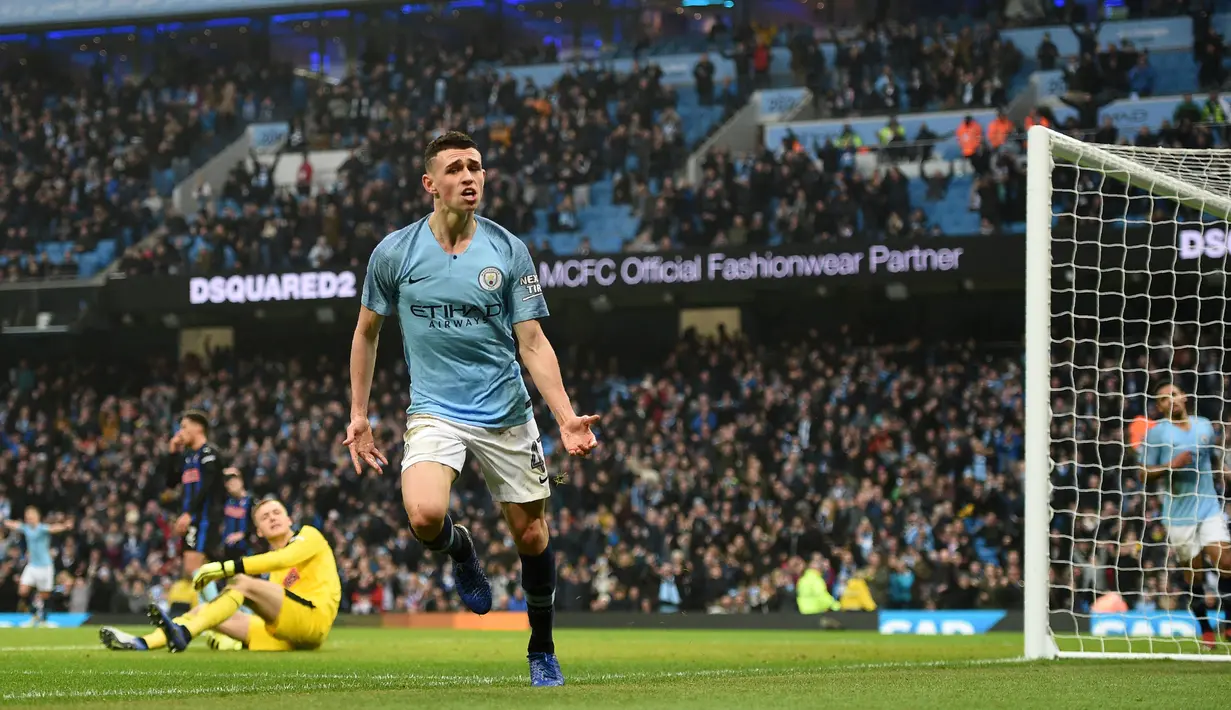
(490, 278)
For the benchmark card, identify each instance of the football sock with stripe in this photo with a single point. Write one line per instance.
(538, 579)
(181, 597)
(457, 546)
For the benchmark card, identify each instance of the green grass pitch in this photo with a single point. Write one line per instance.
(364, 669)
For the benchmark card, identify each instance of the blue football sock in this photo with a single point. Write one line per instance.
(538, 579)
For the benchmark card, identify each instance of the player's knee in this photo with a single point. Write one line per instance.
(241, 583)
(532, 538)
(426, 520)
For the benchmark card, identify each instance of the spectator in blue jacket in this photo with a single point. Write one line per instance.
(901, 584)
(1142, 76)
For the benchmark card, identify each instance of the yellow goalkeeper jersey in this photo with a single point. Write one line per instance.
(305, 568)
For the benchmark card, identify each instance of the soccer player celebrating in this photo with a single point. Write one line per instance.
(38, 576)
(468, 299)
(293, 610)
(1180, 449)
(196, 465)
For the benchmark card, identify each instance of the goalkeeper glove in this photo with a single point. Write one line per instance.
(213, 571)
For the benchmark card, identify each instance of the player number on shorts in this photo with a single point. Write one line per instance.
(537, 461)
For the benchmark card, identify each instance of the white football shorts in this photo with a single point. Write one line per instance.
(1189, 540)
(41, 579)
(511, 459)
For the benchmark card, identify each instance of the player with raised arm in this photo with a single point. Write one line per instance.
(1179, 449)
(195, 464)
(38, 576)
(293, 610)
(469, 302)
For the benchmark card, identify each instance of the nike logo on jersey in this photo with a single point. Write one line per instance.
(542, 479)
(413, 281)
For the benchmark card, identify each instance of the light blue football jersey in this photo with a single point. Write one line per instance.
(38, 544)
(457, 314)
(1189, 496)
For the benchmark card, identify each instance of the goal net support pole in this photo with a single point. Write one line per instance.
(1174, 175)
(1037, 486)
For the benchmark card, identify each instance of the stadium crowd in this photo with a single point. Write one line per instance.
(557, 141)
(890, 67)
(87, 158)
(747, 200)
(546, 144)
(731, 479)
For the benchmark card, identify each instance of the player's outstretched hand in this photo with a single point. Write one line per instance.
(363, 447)
(576, 436)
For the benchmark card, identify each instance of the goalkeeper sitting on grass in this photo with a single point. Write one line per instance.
(294, 610)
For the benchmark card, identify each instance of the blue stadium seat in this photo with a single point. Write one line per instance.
(89, 263)
(606, 225)
(1176, 70)
(952, 213)
(698, 120)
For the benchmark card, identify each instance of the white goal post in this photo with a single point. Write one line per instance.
(1113, 304)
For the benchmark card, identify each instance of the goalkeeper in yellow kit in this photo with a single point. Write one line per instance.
(292, 611)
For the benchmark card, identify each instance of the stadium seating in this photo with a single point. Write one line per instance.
(114, 196)
(507, 129)
(600, 224)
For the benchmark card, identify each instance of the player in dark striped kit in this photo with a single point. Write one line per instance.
(235, 516)
(195, 465)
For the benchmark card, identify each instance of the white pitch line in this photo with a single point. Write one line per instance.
(394, 681)
(152, 692)
(43, 649)
(907, 665)
(307, 684)
(253, 675)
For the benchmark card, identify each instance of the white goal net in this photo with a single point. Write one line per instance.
(1126, 292)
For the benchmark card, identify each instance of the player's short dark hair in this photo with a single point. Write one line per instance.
(449, 140)
(264, 501)
(1158, 386)
(196, 416)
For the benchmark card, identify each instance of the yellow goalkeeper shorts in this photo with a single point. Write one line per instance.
(300, 626)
